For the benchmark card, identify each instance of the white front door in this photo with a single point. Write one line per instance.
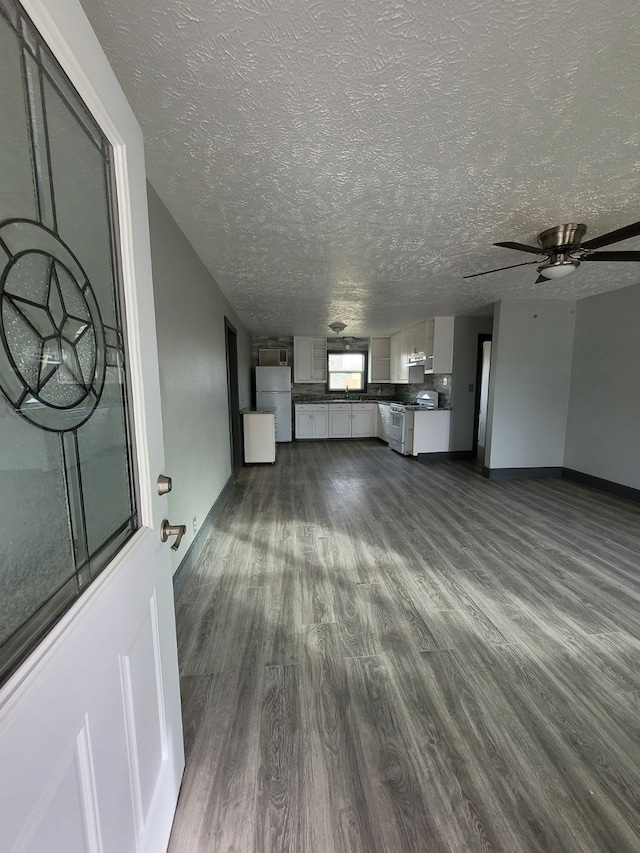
(91, 752)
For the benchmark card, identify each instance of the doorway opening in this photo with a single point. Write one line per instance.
(482, 397)
(233, 393)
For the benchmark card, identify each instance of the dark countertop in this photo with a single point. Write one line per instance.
(321, 401)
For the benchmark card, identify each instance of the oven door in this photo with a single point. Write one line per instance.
(396, 429)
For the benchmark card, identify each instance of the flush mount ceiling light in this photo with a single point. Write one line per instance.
(337, 326)
(559, 267)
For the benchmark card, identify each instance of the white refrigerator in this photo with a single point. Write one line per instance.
(273, 391)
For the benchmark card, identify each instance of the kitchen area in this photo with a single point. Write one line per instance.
(417, 394)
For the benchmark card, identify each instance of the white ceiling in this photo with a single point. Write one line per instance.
(353, 159)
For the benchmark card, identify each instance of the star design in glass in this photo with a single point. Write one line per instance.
(59, 331)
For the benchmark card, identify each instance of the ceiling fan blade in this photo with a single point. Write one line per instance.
(613, 256)
(521, 247)
(499, 269)
(613, 236)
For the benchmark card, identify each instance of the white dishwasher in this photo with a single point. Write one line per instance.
(260, 436)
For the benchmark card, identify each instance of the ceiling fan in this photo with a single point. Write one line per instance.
(565, 250)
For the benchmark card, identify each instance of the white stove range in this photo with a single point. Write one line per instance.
(401, 420)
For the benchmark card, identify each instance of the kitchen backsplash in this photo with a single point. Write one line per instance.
(314, 391)
(432, 382)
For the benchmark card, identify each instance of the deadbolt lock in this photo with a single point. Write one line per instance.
(164, 484)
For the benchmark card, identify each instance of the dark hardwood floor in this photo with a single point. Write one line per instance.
(379, 655)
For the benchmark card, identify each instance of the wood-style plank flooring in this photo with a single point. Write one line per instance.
(380, 655)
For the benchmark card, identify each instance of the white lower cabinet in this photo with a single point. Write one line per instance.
(340, 420)
(352, 420)
(363, 420)
(428, 431)
(431, 432)
(312, 421)
(336, 420)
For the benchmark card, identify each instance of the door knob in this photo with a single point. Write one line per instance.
(177, 530)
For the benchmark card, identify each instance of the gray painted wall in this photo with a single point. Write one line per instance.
(603, 425)
(529, 388)
(190, 311)
(465, 357)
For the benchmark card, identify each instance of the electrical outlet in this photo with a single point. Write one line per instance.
(195, 525)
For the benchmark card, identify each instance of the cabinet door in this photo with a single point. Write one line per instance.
(403, 358)
(396, 359)
(363, 423)
(321, 425)
(304, 423)
(340, 422)
(302, 359)
(431, 432)
(443, 345)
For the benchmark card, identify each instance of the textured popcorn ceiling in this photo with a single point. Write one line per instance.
(339, 160)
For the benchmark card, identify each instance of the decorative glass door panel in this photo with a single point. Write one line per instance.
(66, 478)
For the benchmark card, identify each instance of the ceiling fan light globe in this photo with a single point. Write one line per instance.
(558, 270)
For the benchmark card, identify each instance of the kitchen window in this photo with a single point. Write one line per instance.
(347, 371)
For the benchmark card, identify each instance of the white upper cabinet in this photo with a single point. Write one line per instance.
(418, 339)
(439, 345)
(399, 358)
(309, 359)
(434, 338)
(380, 360)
